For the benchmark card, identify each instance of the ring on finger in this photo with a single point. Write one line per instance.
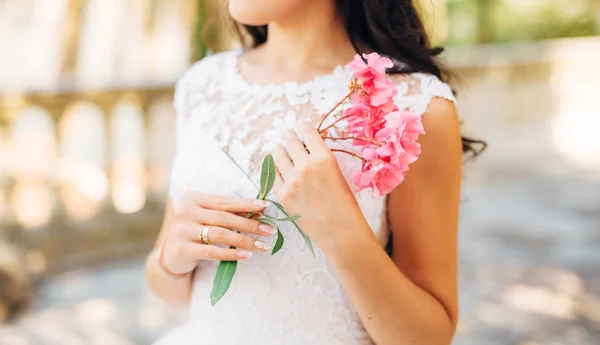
(203, 237)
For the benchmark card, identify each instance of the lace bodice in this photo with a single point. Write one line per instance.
(290, 298)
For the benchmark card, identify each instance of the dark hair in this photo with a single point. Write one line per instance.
(390, 27)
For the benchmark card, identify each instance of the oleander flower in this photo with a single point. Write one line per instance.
(399, 138)
(385, 136)
(364, 120)
(386, 159)
(375, 173)
(374, 87)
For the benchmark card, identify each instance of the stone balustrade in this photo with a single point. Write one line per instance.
(84, 173)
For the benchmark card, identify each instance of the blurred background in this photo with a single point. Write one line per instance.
(86, 142)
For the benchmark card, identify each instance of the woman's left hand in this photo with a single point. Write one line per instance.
(310, 184)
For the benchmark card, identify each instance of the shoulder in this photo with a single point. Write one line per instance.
(427, 94)
(416, 91)
(202, 73)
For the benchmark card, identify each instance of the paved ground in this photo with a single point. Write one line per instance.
(530, 275)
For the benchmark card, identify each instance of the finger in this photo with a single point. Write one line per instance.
(227, 203)
(221, 235)
(256, 215)
(232, 238)
(209, 252)
(283, 162)
(294, 147)
(231, 221)
(312, 139)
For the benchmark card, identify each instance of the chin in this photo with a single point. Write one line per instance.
(261, 12)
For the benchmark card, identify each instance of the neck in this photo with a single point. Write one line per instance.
(314, 38)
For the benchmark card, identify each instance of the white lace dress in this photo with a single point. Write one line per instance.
(290, 298)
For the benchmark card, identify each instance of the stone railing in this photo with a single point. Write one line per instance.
(83, 174)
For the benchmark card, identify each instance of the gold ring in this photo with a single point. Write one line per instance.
(204, 234)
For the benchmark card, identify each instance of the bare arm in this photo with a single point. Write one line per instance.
(412, 297)
(174, 291)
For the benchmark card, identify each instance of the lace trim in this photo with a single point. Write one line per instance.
(241, 115)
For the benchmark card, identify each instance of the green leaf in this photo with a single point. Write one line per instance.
(267, 176)
(278, 243)
(304, 235)
(286, 219)
(239, 167)
(222, 281)
(269, 221)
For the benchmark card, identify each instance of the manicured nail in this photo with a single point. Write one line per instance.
(244, 255)
(262, 245)
(267, 229)
(260, 203)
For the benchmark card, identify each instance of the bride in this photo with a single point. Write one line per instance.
(268, 98)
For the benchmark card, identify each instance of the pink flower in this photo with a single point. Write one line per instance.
(386, 137)
(375, 88)
(364, 120)
(387, 159)
(399, 138)
(377, 174)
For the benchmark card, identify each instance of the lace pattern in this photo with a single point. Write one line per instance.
(291, 298)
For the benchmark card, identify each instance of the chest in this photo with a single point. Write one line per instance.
(226, 134)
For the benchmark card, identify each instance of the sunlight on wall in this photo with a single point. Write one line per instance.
(30, 31)
(540, 300)
(32, 202)
(31, 149)
(84, 185)
(128, 176)
(162, 147)
(575, 126)
(128, 187)
(170, 31)
(118, 47)
(32, 152)
(98, 49)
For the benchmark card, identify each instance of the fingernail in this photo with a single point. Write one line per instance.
(267, 229)
(244, 255)
(260, 203)
(262, 245)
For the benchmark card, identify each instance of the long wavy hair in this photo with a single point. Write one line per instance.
(390, 27)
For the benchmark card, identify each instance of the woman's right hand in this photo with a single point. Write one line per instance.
(182, 246)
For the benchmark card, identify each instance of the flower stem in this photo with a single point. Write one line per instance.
(355, 138)
(335, 107)
(349, 153)
(334, 123)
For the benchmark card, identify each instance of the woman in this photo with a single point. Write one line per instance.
(246, 102)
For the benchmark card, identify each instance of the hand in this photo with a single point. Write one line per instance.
(183, 249)
(310, 184)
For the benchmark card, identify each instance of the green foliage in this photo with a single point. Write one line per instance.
(302, 233)
(226, 269)
(271, 221)
(222, 281)
(267, 176)
(488, 21)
